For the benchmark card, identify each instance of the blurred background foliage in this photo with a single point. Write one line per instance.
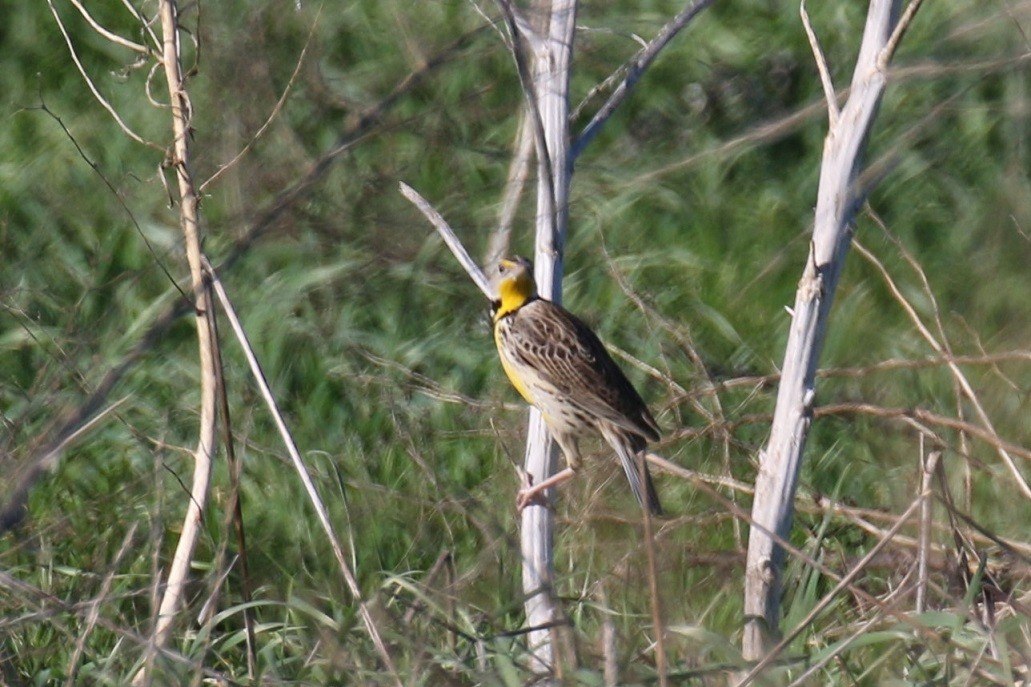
(689, 224)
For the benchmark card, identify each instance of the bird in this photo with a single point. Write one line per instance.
(558, 364)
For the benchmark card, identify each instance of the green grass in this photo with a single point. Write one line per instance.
(378, 350)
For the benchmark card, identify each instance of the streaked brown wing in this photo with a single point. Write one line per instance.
(568, 356)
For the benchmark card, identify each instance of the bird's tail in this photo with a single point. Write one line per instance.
(630, 449)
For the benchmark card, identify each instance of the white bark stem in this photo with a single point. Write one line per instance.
(780, 460)
(551, 70)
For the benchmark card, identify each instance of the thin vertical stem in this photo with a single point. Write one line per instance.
(189, 221)
(928, 465)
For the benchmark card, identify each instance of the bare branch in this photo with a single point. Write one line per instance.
(547, 93)
(900, 30)
(821, 65)
(634, 70)
(89, 82)
(446, 233)
(109, 35)
(780, 460)
(545, 85)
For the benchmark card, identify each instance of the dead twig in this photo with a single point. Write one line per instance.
(634, 70)
(92, 87)
(897, 613)
(304, 474)
(960, 377)
(450, 239)
(833, 112)
(189, 220)
(276, 109)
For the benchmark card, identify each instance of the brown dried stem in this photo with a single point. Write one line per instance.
(959, 376)
(302, 470)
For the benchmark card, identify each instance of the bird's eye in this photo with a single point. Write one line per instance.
(501, 269)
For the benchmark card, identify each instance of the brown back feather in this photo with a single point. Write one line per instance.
(563, 348)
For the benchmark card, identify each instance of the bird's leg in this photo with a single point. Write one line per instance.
(532, 494)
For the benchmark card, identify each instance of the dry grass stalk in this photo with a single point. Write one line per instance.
(189, 217)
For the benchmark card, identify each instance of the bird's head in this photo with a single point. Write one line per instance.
(513, 284)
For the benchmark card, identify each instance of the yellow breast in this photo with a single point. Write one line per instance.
(509, 367)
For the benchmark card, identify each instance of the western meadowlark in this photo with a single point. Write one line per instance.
(559, 365)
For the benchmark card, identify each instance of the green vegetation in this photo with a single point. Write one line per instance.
(689, 221)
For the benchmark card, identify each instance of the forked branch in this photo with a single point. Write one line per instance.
(837, 203)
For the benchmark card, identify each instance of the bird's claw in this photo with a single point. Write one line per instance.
(528, 497)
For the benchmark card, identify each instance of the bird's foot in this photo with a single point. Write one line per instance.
(530, 496)
(535, 493)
